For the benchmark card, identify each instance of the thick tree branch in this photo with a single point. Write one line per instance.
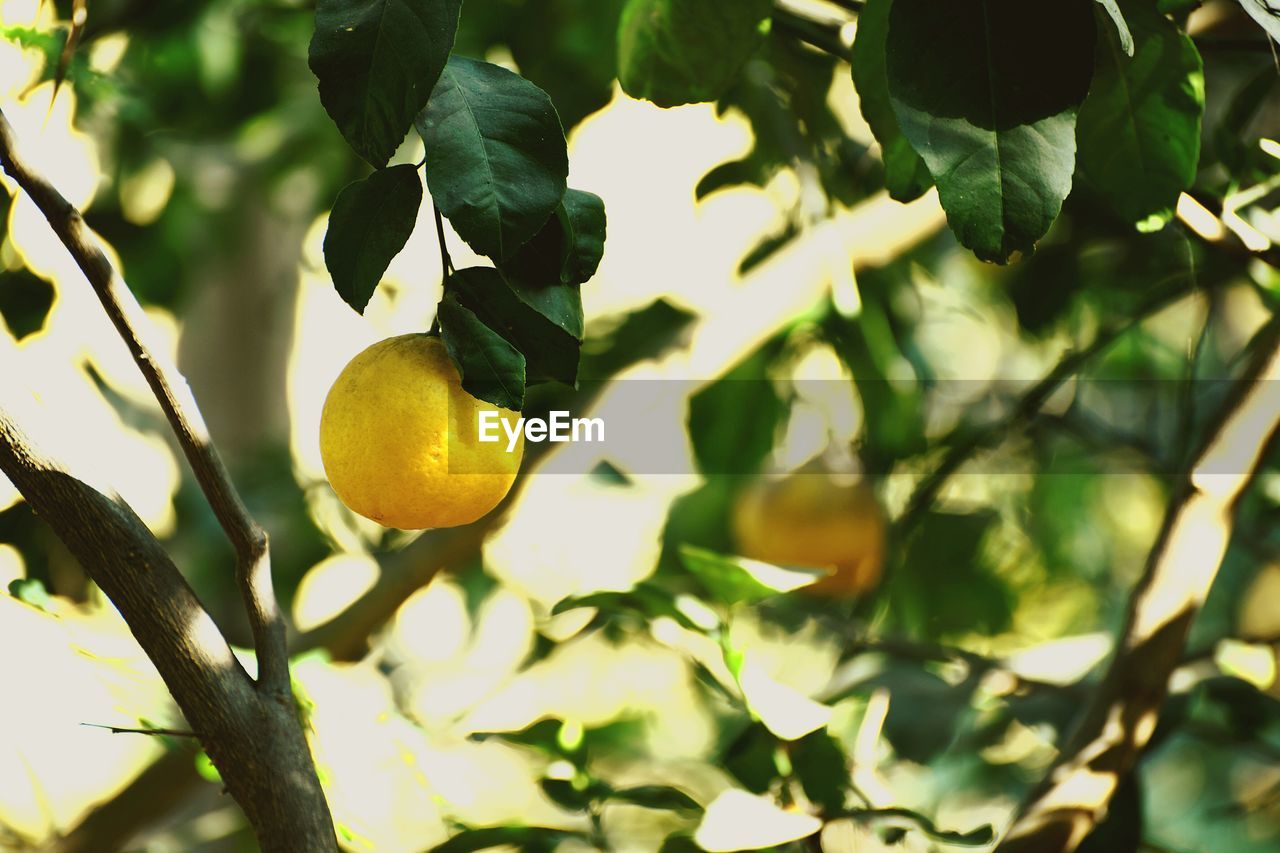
(251, 731)
(1179, 573)
(254, 739)
(253, 564)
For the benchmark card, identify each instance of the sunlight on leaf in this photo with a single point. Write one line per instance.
(735, 579)
(1253, 663)
(737, 820)
(786, 712)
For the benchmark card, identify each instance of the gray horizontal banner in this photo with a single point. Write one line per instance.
(649, 426)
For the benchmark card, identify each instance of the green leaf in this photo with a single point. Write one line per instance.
(1123, 33)
(993, 110)
(768, 246)
(656, 797)
(647, 601)
(582, 219)
(519, 837)
(944, 586)
(369, 225)
(1139, 129)
(377, 61)
(823, 770)
(736, 579)
(567, 795)
(550, 351)
(496, 157)
(1265, 14)
(546, 272)
(894, 420)
(723, 441)
(30, 591)
(492, 369)
(647, 332)
(676, 52)
(905, 175)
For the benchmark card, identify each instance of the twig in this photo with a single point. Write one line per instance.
(823, 35)
(253, 564)
(121, 730)
(1025, 409)
(446, 263)
(1180, 570)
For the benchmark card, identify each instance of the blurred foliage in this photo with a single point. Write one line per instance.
(590, 692)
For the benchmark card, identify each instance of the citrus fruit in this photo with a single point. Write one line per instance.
(810, 520)
(399, 439)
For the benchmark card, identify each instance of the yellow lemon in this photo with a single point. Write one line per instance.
(400, 439)
(809, 520)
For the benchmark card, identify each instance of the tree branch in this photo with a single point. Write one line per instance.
(1180, 570)
(253, 563)
(821, 34)
(1025, 409)
(255, 741)
(251, 731)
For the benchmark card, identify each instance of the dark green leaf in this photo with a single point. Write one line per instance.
(492, 369)
(823, 770)
(747, 170)
(606, 473)
(559, 303)
(1266, 14)
(496, 157)
(768, 246)
(784, 91)
(644, 333)
(1123, 33)
(369, 225)
(676, 52)
(656, 797)
(550, 352)
(1139, 129)
(1043, 287)
(581, 216)
(679, 842)
(647, 601)
(723, 441)
(25, 301)
(732, 580)
(565, 794)
(944, 586)
(907, 819)
(905, 175)
(614, 601)
(520, 837)
(377, 61)
(563, 46)
(894, 427)
(993, 110)
(547, 271)
(750, 758)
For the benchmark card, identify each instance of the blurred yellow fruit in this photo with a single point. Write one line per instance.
(399, 439)
(809, 520)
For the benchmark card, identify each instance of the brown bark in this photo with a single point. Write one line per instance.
(251, 730)
(1122, 714)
